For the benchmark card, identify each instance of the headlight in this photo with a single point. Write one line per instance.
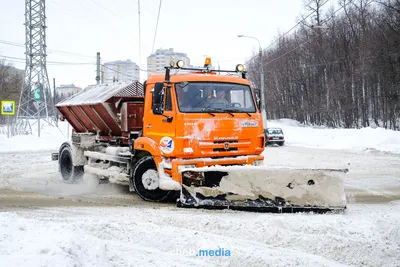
(180, 63)
(258, 163)
(181, 168)
(239, 67)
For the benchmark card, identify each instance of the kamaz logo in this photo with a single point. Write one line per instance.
(226, 146)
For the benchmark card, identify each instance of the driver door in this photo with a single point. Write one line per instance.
(161, 127)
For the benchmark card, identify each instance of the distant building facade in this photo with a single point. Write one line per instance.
(65, 91)
(120, 71)
(162, 57)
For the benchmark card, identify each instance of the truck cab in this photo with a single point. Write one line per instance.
(150, 135)
(200, 119)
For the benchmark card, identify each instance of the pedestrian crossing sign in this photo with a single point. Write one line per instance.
(7, 107)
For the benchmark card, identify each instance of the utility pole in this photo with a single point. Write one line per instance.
(54, 99)
(98, 68)
(263, 99)
(263, 111)
(35, 69)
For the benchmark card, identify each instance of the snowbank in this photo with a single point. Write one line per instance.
(319, 137)
(295, 135)
(51, 138)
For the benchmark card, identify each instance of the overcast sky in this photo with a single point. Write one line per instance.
(195, 27)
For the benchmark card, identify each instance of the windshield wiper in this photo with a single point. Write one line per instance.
(219, 110)
(239, 111)
(209, 109)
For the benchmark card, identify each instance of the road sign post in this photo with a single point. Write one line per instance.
(8, 109)
(37, 99)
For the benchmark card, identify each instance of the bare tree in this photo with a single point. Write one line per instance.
(347, 75)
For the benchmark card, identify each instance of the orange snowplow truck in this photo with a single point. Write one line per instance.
(190, 135)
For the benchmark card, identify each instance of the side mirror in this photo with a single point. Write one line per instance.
(158, 98)
(257, 93)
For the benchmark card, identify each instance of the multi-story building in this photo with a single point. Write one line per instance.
(162, 57)
(66, 90)
(120, 71)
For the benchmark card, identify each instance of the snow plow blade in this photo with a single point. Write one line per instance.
(263, 189)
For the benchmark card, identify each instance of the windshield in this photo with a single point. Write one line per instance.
(214, 97)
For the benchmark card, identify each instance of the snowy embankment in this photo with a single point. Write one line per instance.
(295, 135)
(348, 139)
(51, 138)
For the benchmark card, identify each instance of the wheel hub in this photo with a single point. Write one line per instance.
(150, 180)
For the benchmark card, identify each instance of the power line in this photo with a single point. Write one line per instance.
(121, 72)
(50, 50)
(155, 33)
(293, 27)
(347, 60)
(67, 8)
(287, 32)
(50, 62)
(109, 10)
(269, 62)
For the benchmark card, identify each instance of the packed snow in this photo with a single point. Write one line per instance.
(100, 93)
(174, 237)
(252, 182)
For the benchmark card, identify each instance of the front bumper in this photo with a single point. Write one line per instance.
(179, 164)
(275, 140)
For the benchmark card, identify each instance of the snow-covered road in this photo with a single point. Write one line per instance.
(373, 176)
(74, 225)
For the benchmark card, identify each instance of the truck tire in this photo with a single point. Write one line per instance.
(147, 165)
(69, 173)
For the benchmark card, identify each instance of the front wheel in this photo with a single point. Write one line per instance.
(69, 172)
(146, 180)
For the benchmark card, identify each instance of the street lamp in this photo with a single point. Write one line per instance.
(319, 27)
(263, 112)
(216, 60)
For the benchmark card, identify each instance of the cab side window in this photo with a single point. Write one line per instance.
(168, 99)
(152, 96)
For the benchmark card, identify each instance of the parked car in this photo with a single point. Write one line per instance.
(274, 136)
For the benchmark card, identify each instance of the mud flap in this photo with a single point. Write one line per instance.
(264, 189)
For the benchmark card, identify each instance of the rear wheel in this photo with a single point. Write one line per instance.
(69, 172)
(281, 143)
(145, 180)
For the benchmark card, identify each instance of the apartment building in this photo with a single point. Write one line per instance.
(120, 71)
(162, 57)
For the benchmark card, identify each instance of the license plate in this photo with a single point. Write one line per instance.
(275, 138)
